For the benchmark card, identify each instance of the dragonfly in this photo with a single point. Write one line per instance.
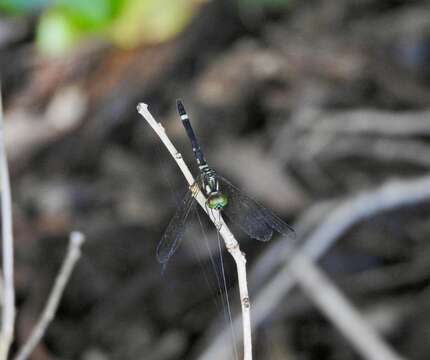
(255, 220)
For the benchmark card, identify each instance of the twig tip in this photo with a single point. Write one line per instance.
(141, 107)
(77, 238)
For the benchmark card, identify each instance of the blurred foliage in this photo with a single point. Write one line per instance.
(19, 7)
(151, 21)
(127, 23)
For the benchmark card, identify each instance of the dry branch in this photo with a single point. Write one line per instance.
(365, 121)
(8, 309)
(229, 239)
(72, 256)
(337, 308)
(410, 151)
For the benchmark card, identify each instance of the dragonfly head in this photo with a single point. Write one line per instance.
(217, 201)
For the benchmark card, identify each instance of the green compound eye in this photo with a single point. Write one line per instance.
(217, 201)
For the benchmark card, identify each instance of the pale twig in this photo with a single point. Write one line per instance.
(339, 310)
(391, 195)
(381, 149)
(229, 239)
(8, 309)
(72, 256)
(369, 133)
(274, 255)
(366, 121)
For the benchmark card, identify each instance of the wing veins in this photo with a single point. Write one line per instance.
(257, 221)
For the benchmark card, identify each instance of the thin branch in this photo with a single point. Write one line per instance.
(367, 121)
(229, 239)
(72, 256)
(339, 310)
(326, 149)
(274, 255)
(8, 309)
(391, 195)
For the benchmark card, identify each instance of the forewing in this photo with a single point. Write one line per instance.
(254, 219)
(174, 232)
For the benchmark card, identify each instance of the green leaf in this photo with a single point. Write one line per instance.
(89, 14)
(56, 33)
(151, 21)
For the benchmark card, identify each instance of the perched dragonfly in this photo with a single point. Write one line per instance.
(255, 220)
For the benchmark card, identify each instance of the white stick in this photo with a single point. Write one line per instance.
(229, 239)
(340, 311)
(8, 310)
(72, 256)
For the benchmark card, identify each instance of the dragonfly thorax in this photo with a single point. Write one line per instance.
(209, 180)
(210, 186)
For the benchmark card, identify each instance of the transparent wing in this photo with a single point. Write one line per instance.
(254, 219)
(171, 239)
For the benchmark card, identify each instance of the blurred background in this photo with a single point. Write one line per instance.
(302, 104)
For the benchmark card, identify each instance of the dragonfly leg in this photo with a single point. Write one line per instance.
(211, 214)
